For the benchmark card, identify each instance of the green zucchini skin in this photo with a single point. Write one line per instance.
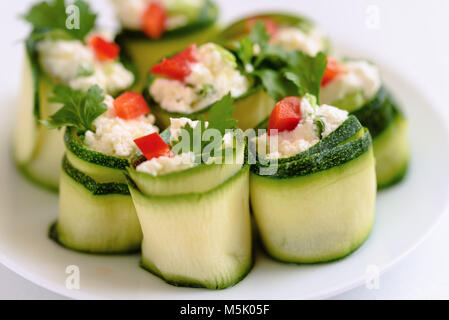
(180, 230)
(38, 155)
(238, 29)
(318, 206)
(73, 143)
(145, 52)
(96, 211)
(389, 129)
(95, 217)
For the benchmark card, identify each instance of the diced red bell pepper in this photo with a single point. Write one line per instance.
(270, 25)
(130, 105)
(178, 66)
(333, 69)
(286, 115)
(154, 20)
(152, 146)
(104, 50)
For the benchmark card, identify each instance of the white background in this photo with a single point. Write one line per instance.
(411, 39)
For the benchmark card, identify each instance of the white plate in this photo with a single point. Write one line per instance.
(405, 214)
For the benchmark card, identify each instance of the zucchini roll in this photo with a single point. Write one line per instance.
(294, 33)
(154, 29)
(356, 86)
(96, 211)
(189, 83)
(55, 55)
(194, 212)
(313, 187)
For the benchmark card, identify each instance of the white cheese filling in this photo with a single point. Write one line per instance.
(306, 134)
(74, 64)
(357, 76)
(130, 12)
(293, 38)
(213, 76)
(163, 165)
(115, 136)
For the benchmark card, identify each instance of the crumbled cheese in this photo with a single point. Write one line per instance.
(289, 143)
(115, 136)
(358, 75)
(176, 124)
(164, 165)
(293, 38)
(332, 118)
(64, 59)
(214, 69)
(130, 12)
(67, 60)
(172, 95)
(112, 77)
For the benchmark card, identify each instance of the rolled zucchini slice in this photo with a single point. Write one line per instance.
(195, 234)
(145, 52)
(38, 151)
(251, 107)
(309, 38)
(96, 211)
(389, 129)
(318, 205)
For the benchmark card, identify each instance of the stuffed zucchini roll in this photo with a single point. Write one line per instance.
(194, 210)
(96, 212)
(189, 83)
(152, 29)
(313, 188)
(55, 55)
(290, 32)
(356, 86)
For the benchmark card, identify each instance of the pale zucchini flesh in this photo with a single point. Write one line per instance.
(318, 217)
(95, 223)
(391, 149)
(199, 239)
(37, 151)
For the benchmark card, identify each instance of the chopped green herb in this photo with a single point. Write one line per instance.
(54, 15)
(79, 108)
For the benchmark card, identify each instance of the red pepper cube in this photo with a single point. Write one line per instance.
(286, 115)
(104, 50)
(177, 67)
(154, 20)
(153, 146)
(333, 69)
(130, 105)
(270, 25)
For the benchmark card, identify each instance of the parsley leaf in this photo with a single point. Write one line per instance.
(220, 119)
(276, 84)
(79, 109)
(281, 72)
(306, 71)
(53, 16)
(220, 114)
